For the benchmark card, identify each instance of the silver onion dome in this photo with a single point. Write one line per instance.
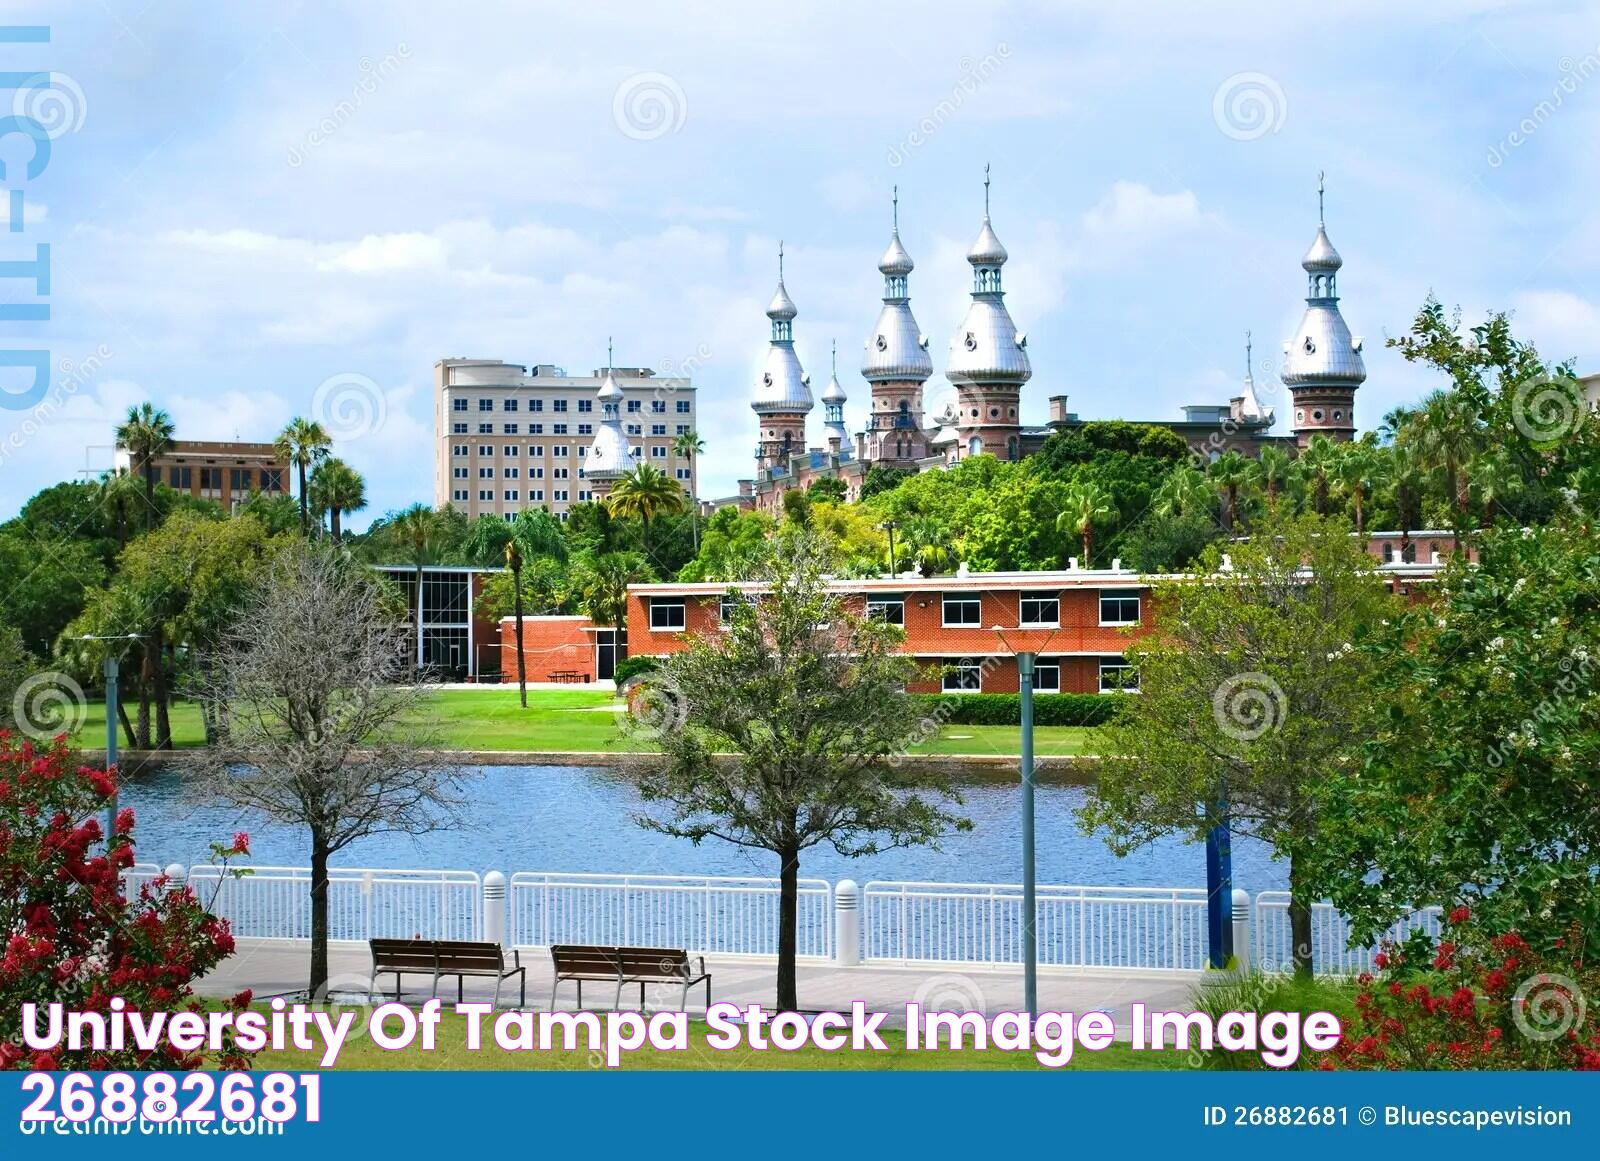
(1250, 406)
(987, 347)
(896, 350)
(833, 401)
(782, 387)
(609, 455)
(895, 260)
(1321, 352)
(1322, 258)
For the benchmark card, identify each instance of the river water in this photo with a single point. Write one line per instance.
(565, 818)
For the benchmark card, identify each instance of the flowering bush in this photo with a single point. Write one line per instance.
(70, 933)
(1475, 1001)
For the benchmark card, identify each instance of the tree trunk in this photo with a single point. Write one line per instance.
(142, 740)
(1361, 522)
(127, 726)
(334, 517)
(1088, 547)
(788, 928)
(159, 692)
(319, 914)
(305, 510)
(1299, 919)
(149, 496)
(522, 664)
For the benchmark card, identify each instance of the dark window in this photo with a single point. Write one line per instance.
(1119, 608)
(890, 609)
(1040, 609)
(962, 610)
(964, 676)
(667, 614)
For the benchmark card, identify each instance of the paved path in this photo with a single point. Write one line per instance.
(271, 967)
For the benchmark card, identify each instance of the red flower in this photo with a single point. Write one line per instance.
(241, 843)
(1461, 915)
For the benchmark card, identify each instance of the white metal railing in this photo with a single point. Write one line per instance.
(1156, 928)
(137, 876)
(730, 916)
(275, 902)
(1330, 936)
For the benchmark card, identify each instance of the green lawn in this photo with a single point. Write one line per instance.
(583, 720)
(450, 1056)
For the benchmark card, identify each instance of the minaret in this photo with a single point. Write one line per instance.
(1246, 406)
(782, 396)
(834, 435)
(1322, 364)
(896, 363)
(610, 458)
(988, 356)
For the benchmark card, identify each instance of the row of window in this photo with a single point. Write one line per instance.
(658, 451)
(535, 472)
(1116, 676)
(535, 495)
(656, 429)
(961, 610)
(585, 406)
(239, 479)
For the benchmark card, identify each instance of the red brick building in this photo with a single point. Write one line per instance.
(558, 648)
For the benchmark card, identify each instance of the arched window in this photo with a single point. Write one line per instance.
(975, 446)
(1011, 448)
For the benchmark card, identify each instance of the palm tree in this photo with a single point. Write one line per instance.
(486, 540)
(415, 531)
(303, 442)
(337, 488)
(603, 586)
(513, 558)
(118, 492)
(146, 434)
(1276, 466)
(646, 493)
(1357, 473)
(1084, 506)
(1184, 489)
(1230, 472)
(1405, 478)
(1497, 480)
(1316, 461)
(689, 446)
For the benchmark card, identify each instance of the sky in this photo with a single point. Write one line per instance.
(261, 211)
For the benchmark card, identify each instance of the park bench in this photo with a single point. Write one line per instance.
(627, 965)
(568, 677)
(445, 957)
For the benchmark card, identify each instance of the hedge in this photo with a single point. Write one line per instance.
(633, 666)
(1005, 709)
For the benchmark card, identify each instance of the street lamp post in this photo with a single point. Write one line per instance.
(889, 526)
(1026, 657)
(113, 665)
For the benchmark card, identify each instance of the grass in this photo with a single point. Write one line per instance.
(583, 720)
(450, 1055)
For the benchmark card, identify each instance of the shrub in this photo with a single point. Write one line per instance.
(1263, 992)
(1005, 709)
(631, 667)
(72, 935)
(1475, 1001)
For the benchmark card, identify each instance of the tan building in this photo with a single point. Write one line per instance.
(220, 470)
(508, 437)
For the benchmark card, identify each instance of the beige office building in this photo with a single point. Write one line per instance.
(508, 437)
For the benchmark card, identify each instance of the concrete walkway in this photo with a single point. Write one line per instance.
(272, 967)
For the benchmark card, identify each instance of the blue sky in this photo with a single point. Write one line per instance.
(249, 201)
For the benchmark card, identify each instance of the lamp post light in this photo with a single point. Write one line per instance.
(889, 526)
(113, 664)
(1026, 658)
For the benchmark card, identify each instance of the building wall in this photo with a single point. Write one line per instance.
(549, 645)
(548, 462)
(220, 470)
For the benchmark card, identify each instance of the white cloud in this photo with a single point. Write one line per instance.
(1560, 324)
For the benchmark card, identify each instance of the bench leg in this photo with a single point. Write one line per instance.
(397, 986)
(553, 989)
(522, 977)
(371, 983)
(641, 995)
(617, 1006)
(462, 983)
(580, 994)
(496, 991)
(434, 991)
(683, 1001)
(708, 993)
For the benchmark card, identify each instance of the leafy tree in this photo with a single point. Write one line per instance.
(829, 488)
(1274, 469)
(602, 585)
(1167, 543)
(1480, 785)
(1253, 698)
(1230, 472)
(337, 489)
(303, 442)
(732, 548)
(1316, 461)
(689, 447)
(1086, 505)
(807, 700)
(1358, 473)
(47, 581)
(644, 494)
(318, 728)
(416, 532)
(146, 434)
(881, 478)
(16, 666)
(797, 508)
(1185, 492)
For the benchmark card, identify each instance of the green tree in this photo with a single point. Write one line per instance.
(1358, 472)
(1316, 461)
(1275, 468)
(303, 442)
(1230, 472)
(602, 585)
(689, 447)
(415, 531)
(881, 478)
(828, 488)
(337, 489)
(47, 581)
(1480, 784)
(1087, 504)
(16, 666)
(645, 494)
(1185, 491)
(806, 698)
(1252, 693)
(146, 434)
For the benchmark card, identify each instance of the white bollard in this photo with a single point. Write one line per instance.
(1241, 929)
(494, 907)
(176, 876)
(847, 923)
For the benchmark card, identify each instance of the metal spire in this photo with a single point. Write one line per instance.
(986, 191)
(780, 260)
(896, 202)
(609, 363)
(1249, 360)
(1320, 220)
(835, 358)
